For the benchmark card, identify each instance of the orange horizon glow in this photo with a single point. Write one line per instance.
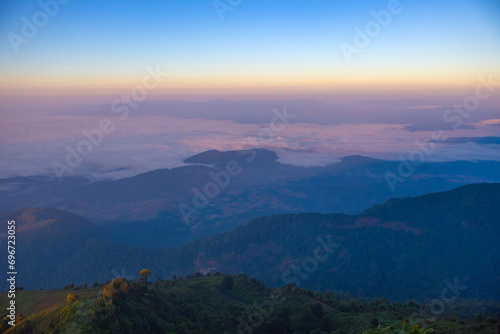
(305, 84)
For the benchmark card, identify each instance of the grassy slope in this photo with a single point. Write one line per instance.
(49, 312)
(30, 302)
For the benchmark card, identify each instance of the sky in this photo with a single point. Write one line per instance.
(374, 78)
(260, 47)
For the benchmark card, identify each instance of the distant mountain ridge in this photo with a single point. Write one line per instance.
(407, 248)
(156, 202)
(215, 157)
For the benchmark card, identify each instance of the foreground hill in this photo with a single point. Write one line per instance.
(222, 304)
(407, 248)
(164, 209)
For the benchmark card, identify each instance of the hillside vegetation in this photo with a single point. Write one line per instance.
(223, 304)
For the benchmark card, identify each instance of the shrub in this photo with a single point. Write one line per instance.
(71, 298)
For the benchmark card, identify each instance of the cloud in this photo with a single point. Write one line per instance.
(433, 126)
(490, 122)
(32, 138)
(426, 107)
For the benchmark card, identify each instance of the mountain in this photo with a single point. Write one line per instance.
(404, 249)
(219, 191)
(55, 247)
(221, 304)
(262, 158)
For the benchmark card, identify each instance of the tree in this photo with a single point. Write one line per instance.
(318, 310)
(327, 325)
(227, 283)
(71, 298)
(307, 321)
(143, 276)
(115, 289)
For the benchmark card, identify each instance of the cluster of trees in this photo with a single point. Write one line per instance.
(220, 304)
(212, 304)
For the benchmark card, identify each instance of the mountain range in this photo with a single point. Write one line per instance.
(218, 191)
(407, 248)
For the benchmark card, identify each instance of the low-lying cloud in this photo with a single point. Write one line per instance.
(162, 137)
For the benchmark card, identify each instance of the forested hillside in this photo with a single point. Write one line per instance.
(223, 304)
(407, 248)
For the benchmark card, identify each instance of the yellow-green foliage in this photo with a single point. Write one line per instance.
(118, 287)
(143, 276)
(71, 298)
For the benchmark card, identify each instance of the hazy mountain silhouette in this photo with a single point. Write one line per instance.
(161, 204)
(405, 248)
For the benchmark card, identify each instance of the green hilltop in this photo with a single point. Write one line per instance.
(221, 304)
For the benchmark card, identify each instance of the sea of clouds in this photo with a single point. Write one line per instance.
(161, 133)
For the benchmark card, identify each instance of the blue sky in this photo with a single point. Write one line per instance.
(259, 44)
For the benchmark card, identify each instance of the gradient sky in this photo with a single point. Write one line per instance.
(263, 55)
(279, 46)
